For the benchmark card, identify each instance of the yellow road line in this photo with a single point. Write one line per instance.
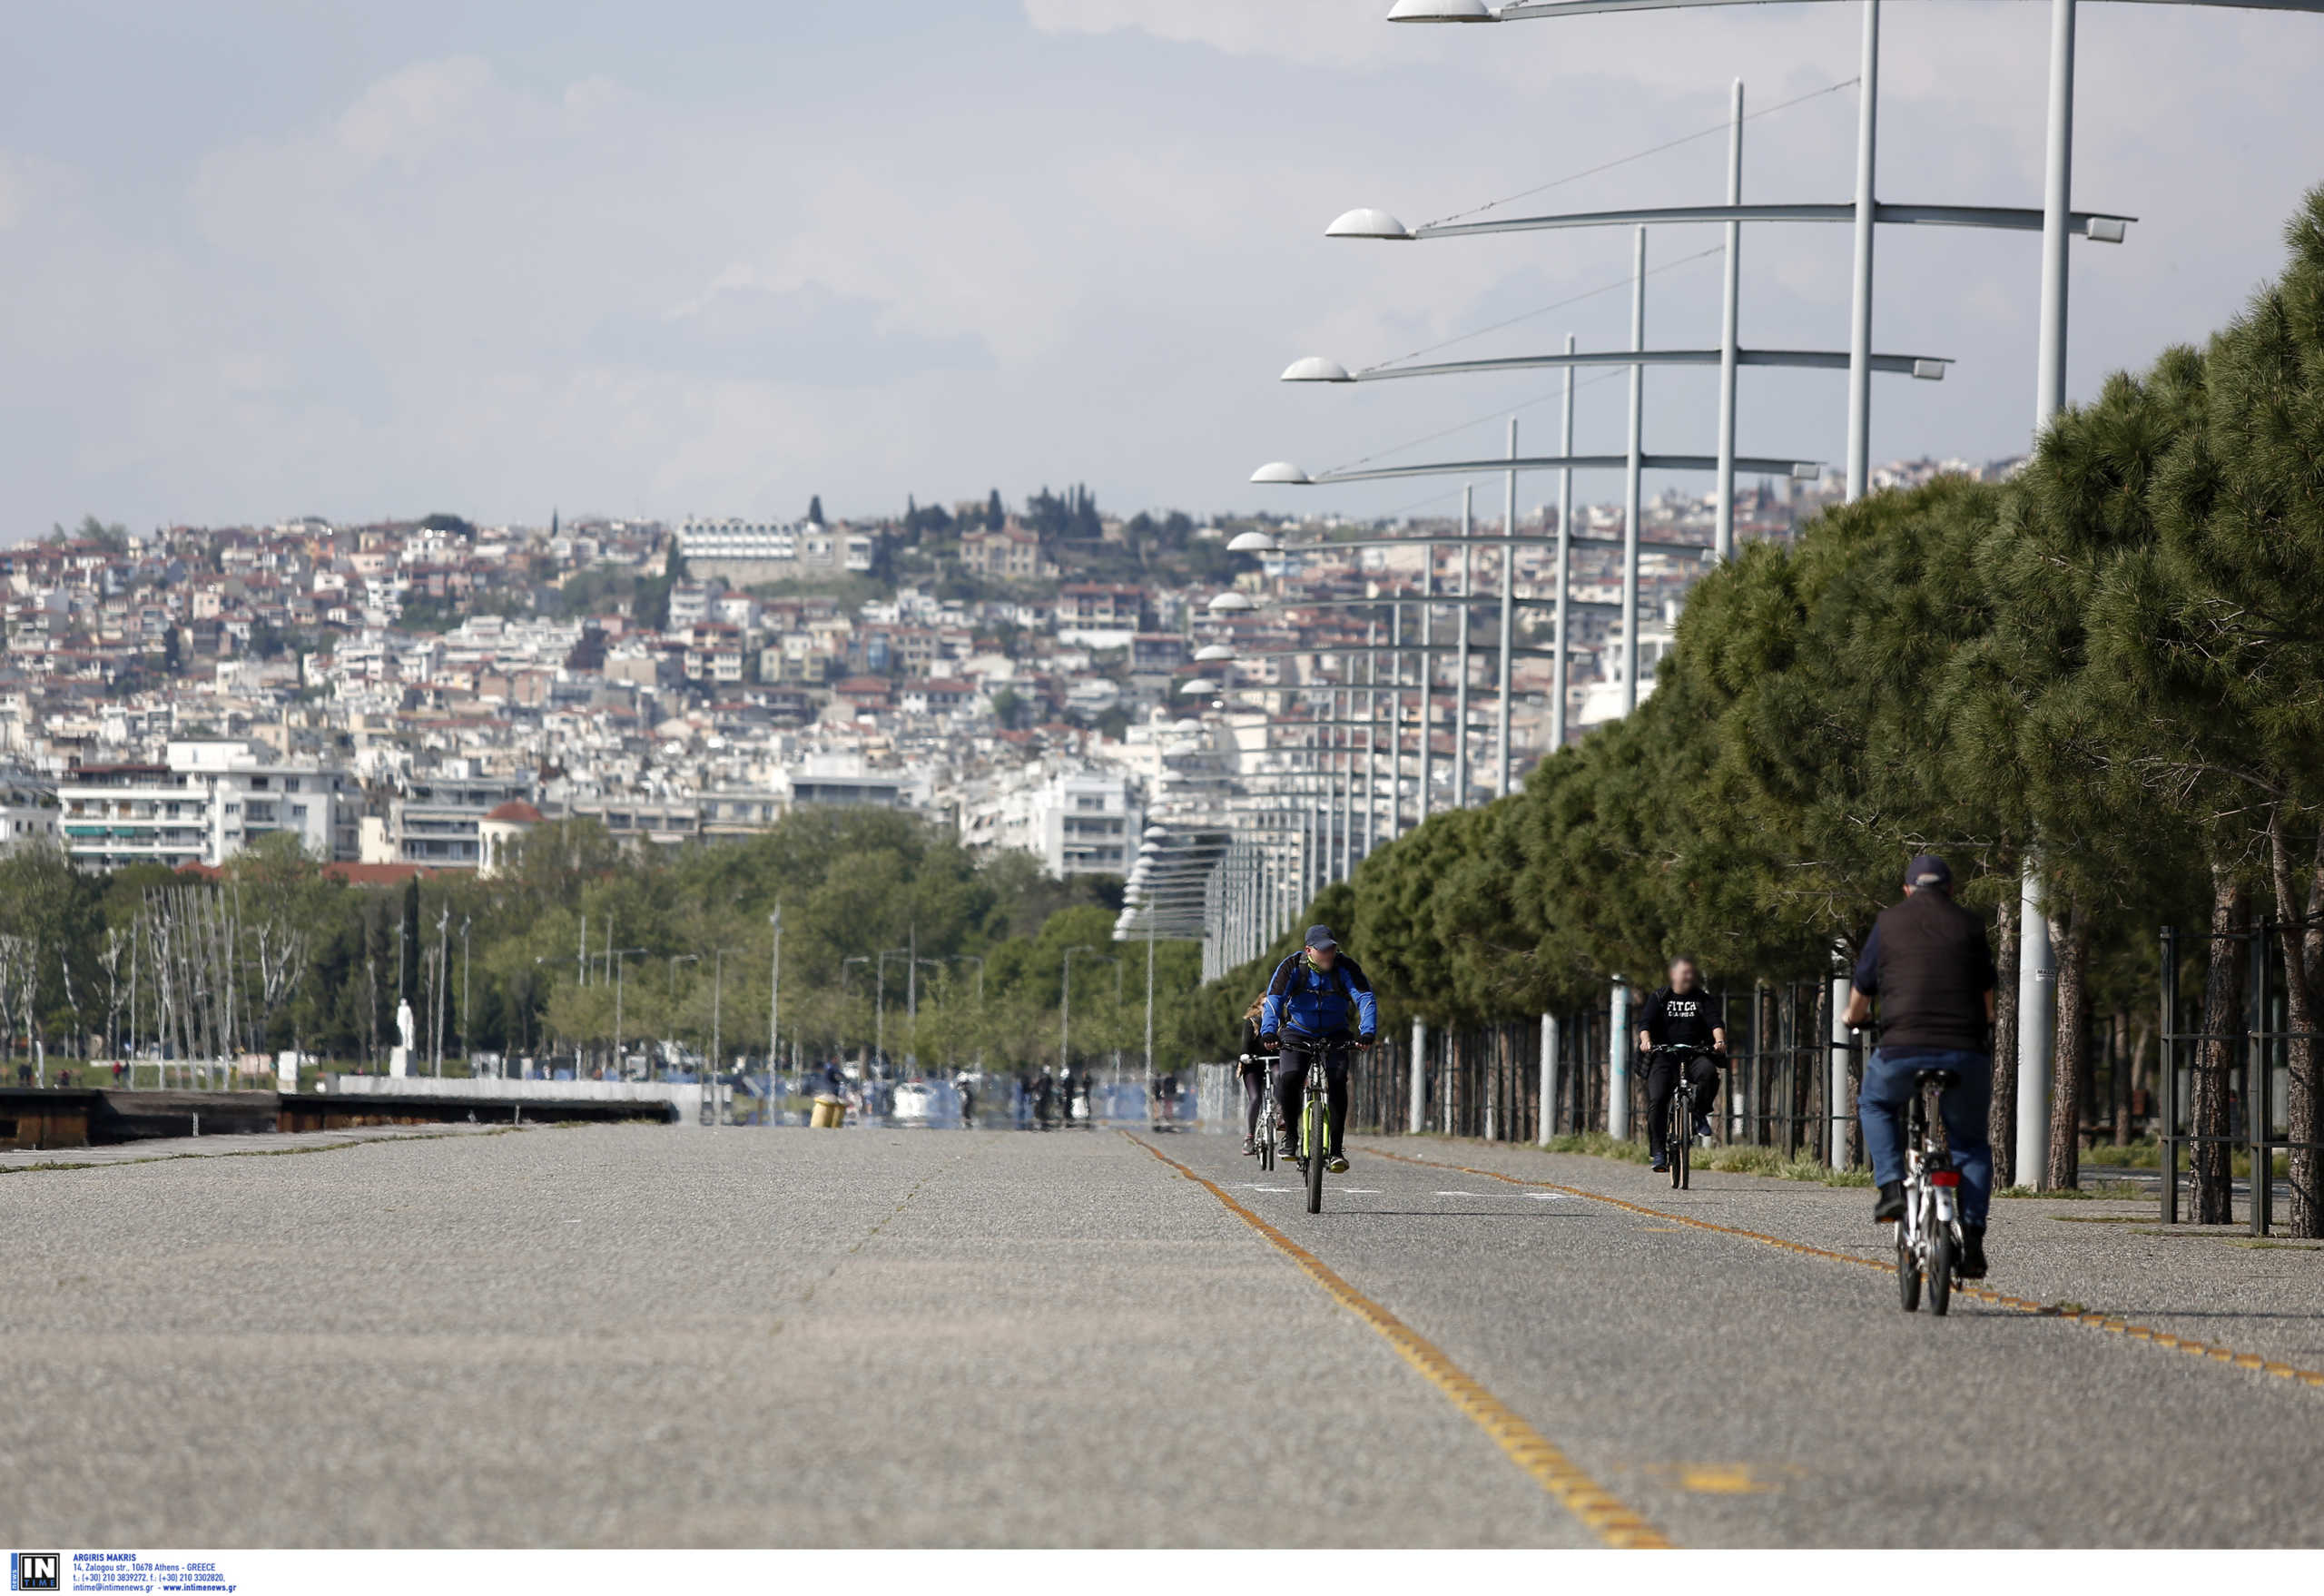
(1605, 1517)
(2111, 1324)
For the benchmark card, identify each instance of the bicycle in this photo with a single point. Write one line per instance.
(1315, 1118)
(1679, 1135)
(1928, 1237)
(1265, 1141)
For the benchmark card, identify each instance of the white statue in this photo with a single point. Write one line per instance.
(403, 1024)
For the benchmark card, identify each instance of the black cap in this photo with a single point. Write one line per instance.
(1927, 870)
(1320, 938)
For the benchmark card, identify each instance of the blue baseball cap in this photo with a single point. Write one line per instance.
(1927, 870)
(1320, 938)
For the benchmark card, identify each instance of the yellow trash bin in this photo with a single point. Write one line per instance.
(831, 1113)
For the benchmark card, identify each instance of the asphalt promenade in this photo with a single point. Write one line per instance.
(627, 1335)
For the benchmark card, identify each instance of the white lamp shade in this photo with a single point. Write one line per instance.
(1211, 651)
(1251, 543)
(1441, 10)
(1316, 368)
(1279, 472)
(1232, 603)
(1198, 686)
(1365, 222)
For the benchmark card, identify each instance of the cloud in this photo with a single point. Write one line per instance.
(1337, 33)
(812, 334)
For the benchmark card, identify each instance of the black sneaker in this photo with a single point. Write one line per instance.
(1662, 1163)
(1287, 1150)
(1702, 1126)
(1972, 1264)
(1336, 1164)
(1250, 1147)
(1890, 1208)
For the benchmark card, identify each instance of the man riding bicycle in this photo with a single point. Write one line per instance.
(1681, 1014)
(1928, 962)
(1310, 999)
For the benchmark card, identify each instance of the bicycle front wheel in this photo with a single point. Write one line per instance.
(1315, 1141)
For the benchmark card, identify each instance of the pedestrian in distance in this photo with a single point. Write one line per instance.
(1930, 968)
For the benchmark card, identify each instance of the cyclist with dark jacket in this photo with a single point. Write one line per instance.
(1312, 999)
(1928, 962)
(1685, 1014)
(1251, 1066)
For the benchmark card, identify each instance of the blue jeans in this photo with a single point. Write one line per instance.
(1880, 1105)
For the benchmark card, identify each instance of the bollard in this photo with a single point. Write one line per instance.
(830, 1114)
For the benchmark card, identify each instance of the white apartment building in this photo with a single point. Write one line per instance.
(28, 813)
(1087, 823)
(207, 803)
(440, 820)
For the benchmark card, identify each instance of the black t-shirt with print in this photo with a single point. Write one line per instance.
(1681, 1016)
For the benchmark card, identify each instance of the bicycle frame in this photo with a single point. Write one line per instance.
(1928, 1237)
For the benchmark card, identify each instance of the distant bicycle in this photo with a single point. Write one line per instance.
(1268, 1124)
(1315, 1118)
(1678, 1136)
(1928, 1237)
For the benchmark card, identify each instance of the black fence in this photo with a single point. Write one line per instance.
(2226, 1081)
(1487, 1080)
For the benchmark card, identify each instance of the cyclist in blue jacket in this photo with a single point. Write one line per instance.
(1310, 1000)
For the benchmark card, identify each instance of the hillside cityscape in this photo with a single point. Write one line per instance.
(406, 696)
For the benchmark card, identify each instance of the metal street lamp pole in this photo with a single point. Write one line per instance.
(1427, 677)
(1565, 563)
(1508, 613)
(1460, 682)
(1730, 351)
(1632, 506)
(774, 997)
(1860, 310)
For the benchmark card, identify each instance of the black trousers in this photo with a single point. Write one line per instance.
(1255, 1087)
(1662, 1085)
(1291, 1091)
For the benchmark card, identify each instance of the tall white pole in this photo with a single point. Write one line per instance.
(1631, 496)
(1835, 1061)
(1507, 616)
(1559, 636)
(774, 998)
(1461, 682)
(1395, 722)
(1618, 1064)
(2037, 1017)
(2036, 971)
(1416, 1090)
(1427, 677)
(1723, 540)
(1860, 311)
(1371, 734)
(1548, 1079)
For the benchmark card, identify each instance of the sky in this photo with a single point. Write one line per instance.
(269, 258)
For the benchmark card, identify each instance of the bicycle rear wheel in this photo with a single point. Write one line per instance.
(1909, 1273)
(1940, 1272)
(1315, 1140)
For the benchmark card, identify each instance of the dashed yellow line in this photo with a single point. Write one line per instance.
(2111, 1324)
(1600, 1511)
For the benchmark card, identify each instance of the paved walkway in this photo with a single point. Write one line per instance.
(629, 1336)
